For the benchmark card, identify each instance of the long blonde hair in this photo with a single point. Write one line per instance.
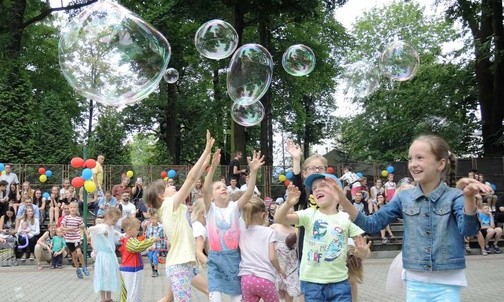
(197, 207)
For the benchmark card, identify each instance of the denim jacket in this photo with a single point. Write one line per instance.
(434, 227)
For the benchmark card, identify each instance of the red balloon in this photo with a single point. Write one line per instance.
(287, 183)
(77, 182)
(164, 174)
(76, 162)
(330, 170)
(41, 170)
(90, 163)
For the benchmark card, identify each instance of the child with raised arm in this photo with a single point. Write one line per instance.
(223, 225)
(131, 260)
(72, 224)
(259, 264)
(181, 259)
(325, 242)
(436, 218)
(104, 238)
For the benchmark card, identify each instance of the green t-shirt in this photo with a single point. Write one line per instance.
(325, 245)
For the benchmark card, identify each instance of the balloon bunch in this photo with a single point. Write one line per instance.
(387, 171)
(86, 178)
(44, 174)
(286, 178)
(168, 174)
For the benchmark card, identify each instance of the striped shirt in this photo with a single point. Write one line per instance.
(73, 224)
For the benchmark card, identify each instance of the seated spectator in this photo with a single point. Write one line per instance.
(4, 197)
(14, 196)
(351, 179)
(489, 198)
(232, 188)
(29, 225)
(91, 200)
(8, 222)
(127, 208)
(65, 210)
(65, 187)
(123, 187)
(244, 187)
(104, 203)
(54, 204)
(358, 203)
(380, 198)
(43, 246)
(40, 202)
(27, 190)
(27, 204)
(499, 210)
(489, 230)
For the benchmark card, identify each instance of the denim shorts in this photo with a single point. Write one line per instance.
(223, 268)
(331, 292)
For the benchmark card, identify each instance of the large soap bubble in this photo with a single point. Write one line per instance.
(171, 75)
(298, 60)
(249, 74)
(399, 61)
(111, 56)
(360, 79)
(247, 115)
(216, 39)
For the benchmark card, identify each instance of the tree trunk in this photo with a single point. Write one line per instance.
(171, 132)
(308, 107)
(238, 142)
(14, 16)
(266, 137)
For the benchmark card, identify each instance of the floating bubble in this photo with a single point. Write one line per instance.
(360, 79)
(171, 75)
(249, 74)
(247, 115)
(298, 60)
(399, 61)
(216, 39)
(111, 56)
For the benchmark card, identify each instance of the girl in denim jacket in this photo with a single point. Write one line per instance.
(436, 218)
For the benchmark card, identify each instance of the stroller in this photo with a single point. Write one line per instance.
(7, 255)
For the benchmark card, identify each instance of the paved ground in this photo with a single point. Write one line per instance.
(24, 283)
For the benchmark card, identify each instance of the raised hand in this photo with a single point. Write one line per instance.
(209, 141)
(216, 158)
(293, 194)
(257, 161)
(293, 149)
(362, 248)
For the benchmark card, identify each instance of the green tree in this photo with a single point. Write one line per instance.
(441, 98)
(109, 139)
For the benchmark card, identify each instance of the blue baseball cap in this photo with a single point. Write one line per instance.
(309, 181)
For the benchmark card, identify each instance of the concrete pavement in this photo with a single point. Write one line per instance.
(485, 276)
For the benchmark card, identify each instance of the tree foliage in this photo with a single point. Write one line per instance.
(440, 99)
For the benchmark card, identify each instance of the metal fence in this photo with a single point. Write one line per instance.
(267, 180)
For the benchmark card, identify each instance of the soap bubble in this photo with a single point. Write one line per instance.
(171, 75)
(249, 74)
(216, 39)
(111, 56)
(360, 79)
(399, 61)
(247, 115)
(298, 60)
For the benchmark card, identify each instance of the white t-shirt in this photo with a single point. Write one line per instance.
(254, 250)
(199, 230)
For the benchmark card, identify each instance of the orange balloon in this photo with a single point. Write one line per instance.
(76, 162)
(287, 183)
(90, 163)
(41, 170)
(77, 182)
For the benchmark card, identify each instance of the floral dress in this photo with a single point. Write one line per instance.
(288, 260)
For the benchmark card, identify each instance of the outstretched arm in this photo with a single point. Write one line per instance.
(207, 185)
(256, 162)
(194, 174)
(281, 214)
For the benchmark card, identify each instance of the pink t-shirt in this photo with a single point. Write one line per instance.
(223, 225)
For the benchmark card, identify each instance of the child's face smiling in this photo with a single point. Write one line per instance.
(322, 194)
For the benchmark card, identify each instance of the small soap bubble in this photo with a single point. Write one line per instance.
(399, 61)
(216, 39)
(247, 115)
(298, 60)
(171, 75)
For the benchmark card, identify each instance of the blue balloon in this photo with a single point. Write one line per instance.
(87, 174)
(48, 173)
(494, 187)
(289, 175)
(46, 195)
(2, 167)
(172, 173)
(359, 174)
(390, 169)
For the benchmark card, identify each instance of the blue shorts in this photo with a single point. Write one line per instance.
(223, 268)
(331, 292)
(417, 291)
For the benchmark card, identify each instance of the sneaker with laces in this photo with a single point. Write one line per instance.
(497, 249)
(78, 271)
(484, 253)
(85, 271)
(487, 249)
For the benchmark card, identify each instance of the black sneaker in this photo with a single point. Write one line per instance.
(487, 249)
(155, 274)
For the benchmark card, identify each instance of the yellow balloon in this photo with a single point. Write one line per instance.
(43, 178)
(129, 174)
(384, 173)
(90, 186)
(282, 178)
(165, 179)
